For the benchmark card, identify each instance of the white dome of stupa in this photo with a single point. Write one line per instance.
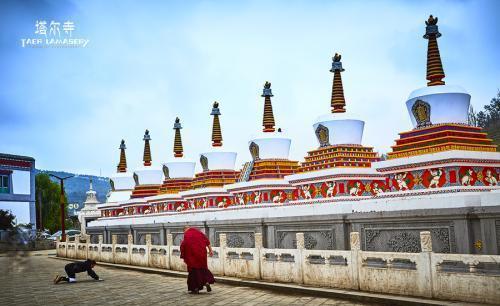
(448, 104)
(218, 159)
(179, 168)
(148, 175)
(342, 128)
(122, 181)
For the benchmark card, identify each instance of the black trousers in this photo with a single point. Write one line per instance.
(69, 272)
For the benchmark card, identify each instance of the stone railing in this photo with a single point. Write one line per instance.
(469, 278)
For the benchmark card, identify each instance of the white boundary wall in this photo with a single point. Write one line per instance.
(468, 278)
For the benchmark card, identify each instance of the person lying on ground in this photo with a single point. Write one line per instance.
(77, 267)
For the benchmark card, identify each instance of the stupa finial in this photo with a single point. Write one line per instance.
(268, 120)
(338, 100)
(435, 72)
(147, 150)
(178, 150)
(216, 130)
(122, 165)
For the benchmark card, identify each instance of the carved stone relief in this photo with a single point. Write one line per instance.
(406, 237)
(236, 239)
(404, 242)
(313, 240)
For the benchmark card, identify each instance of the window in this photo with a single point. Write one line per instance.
(4, 183)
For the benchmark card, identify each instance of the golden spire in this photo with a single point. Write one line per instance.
(338, 101)
(435, 72)
(216, 130)
(268, 120)
(122, 165)
(147, 150)
(177, 141)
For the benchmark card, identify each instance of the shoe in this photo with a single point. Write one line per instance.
(208, 287)
(57, 279)
(194, 291)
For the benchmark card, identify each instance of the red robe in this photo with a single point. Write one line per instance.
(194, 249)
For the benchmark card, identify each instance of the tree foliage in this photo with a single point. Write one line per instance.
(488, 119)
(49, 193)
(6, 220)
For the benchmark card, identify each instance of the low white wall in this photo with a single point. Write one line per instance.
(122, 255)
(107, 253)
(139, 256)
(330, 268)
(71, 250)
(468, 278)
(158, 256)
(396, 273)
(176, 262)
(472, 286)
(215, 264)
(240, 262)
(280, 265)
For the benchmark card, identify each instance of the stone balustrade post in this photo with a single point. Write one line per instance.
(170, 244)
(130, 241)
(426, 263)
(222, 255)
(101, 239)
(258, 253)
(300, 261)
(77, 244)
(426, 241)
(148, 248)
(87, 245)
(114, 240)
(355, 245)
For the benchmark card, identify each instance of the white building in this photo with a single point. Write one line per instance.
(17, 187)
(89, 212)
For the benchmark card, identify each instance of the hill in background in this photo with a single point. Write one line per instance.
(77, 186)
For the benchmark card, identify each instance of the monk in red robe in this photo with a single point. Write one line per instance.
(194, 252)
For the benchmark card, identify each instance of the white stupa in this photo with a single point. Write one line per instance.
(89, 212)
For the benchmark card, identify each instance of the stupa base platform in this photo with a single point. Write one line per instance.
(385, 224)
(338, 156)
(214, 178)
(441, 137)
(142, 191)
(172, 186)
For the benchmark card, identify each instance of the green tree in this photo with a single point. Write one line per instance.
(48, 195)
(6, 220)
(489, 119)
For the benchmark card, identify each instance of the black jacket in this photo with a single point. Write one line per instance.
(77, 267)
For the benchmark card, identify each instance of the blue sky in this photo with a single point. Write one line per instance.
(150, 61)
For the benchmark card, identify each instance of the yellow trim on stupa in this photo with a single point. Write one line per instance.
(147, 150)
(338, 101)
(268, 119)
(435, 72)
(216, 129)
(122, 165)
(178, 149)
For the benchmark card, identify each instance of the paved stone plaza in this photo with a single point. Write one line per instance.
(27, 280)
